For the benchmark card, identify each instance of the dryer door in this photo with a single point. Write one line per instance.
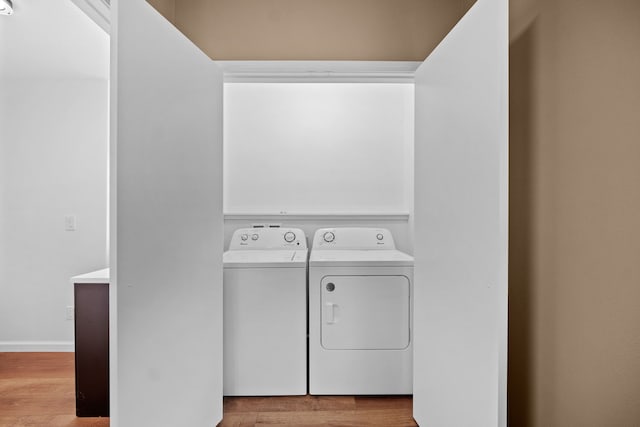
(365, 312)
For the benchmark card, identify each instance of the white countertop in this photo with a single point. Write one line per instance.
(98, 276)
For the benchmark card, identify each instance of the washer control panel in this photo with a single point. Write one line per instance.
(356, 238)
(268, 238)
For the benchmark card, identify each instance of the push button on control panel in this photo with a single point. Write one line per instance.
(289, 236)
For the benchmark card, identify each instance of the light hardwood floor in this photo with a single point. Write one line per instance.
(37, 389)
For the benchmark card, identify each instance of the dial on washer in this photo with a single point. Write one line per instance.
(289, 236)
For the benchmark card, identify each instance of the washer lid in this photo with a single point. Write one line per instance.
(360, 258)
(265, 259)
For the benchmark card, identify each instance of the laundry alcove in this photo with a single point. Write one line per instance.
(167, 223)
(312, 150)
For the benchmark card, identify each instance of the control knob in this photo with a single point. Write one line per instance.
(329, 237)
(244, 237)
(254, 237)
(289, 236)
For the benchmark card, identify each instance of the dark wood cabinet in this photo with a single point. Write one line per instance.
(92, 349)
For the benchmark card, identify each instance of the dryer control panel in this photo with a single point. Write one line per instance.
(268, 238)
(353, 238)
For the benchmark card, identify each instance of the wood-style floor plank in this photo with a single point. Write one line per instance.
(52, 421)
(38, 389)
(352, 418)
(288, 403)
(384, 402)
(319, 411)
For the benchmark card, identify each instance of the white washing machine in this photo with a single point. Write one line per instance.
(265, 313)
(360, 313)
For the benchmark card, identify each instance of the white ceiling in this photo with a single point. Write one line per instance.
(51, 39)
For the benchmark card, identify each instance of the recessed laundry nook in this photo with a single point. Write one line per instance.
(201, 150)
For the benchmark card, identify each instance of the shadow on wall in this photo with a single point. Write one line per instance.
(521, 228)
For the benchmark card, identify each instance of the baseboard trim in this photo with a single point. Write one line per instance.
(36, 346)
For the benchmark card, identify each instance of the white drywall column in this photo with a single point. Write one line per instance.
(461, 224)
(167, 226)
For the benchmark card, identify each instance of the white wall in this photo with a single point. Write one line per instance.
(318, 147)
(53, 147)
(314, 150)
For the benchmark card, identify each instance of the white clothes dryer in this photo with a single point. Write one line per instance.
(265, 313)
(360, 313)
